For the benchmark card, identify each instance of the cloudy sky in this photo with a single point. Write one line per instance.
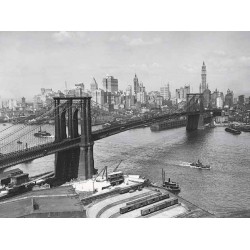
(32, 60)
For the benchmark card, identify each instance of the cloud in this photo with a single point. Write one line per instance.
(244, 59)
(62, 36)
(145, 66)
(220, 53)
(133, 42)
(189, 68)
(156, 65)
(141, 42)
(65, 36)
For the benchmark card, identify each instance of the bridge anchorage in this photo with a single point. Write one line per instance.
(76, 162)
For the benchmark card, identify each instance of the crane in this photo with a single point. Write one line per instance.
(103, 171)
(117, 166)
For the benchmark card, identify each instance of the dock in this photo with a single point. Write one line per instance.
(134, 198)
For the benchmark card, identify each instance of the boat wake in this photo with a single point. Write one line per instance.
(184, 164)
(188, 164)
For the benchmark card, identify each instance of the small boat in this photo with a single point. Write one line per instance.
(169, 185)
(199, 165)
(41, 133)
(233, 131)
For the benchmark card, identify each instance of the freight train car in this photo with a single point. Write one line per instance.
(159, 206)
(143, 203)
(143, 198)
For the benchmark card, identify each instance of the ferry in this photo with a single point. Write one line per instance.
(169, 185)
(41, 133)
(199, 165)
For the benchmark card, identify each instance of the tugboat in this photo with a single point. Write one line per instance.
(199, 165)
(169, 185)
(41, 133)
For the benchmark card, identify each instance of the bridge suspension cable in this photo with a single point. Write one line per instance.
(20, 133)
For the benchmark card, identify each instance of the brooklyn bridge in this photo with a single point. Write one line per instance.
(73, 149)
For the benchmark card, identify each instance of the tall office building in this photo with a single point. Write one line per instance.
(79, 90)
(181, 93)
(129, 90)
(214, 95)
(136, 85)
(93, 85)
(165, 92)
(203, 85)
(141, 94)
(241, 99)
(219, 101)
(110, 84)
(98, 96)
(229, 98)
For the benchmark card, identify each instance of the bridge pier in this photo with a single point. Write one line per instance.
(86, 161)
(195, 114)
(192, 122)
(201, 122)
(77, 162)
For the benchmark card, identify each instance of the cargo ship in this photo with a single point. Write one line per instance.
(168, 125)
(233, 131)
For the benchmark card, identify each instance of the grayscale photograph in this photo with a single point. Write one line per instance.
(124, 124)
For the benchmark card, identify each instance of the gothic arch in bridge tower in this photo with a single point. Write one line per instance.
(75, 132)
(63, 124)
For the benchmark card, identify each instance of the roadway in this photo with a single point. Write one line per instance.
(38, 151)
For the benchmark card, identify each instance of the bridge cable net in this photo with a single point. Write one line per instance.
(23, 138)
(21, 121)
(25, 124)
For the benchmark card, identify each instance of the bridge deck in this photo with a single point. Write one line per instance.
(38, 151)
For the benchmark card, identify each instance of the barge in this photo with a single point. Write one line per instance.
(168, 124)
(233, 131)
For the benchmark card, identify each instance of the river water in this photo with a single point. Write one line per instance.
(223, 190)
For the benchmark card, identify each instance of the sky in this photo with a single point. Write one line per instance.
(33, 60)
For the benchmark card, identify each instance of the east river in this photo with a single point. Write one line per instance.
(223, 190)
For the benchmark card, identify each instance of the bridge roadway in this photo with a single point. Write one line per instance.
(17, 157)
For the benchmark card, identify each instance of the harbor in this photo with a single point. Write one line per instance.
(133, 198)
(138, 159)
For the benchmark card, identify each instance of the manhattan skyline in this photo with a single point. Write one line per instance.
(32, 60)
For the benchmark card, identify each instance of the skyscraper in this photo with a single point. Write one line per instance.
(229, 98)
(241, 99)
(93, 85)
(165, 92)
(181, 93)
(136, 85)
(110, 84)
(203, 85)
(129, 90)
